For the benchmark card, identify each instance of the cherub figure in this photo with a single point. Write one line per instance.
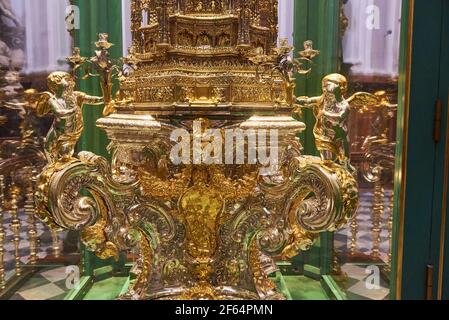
(66, 105)
(331, 111)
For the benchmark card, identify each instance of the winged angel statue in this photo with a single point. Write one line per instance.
(66, 105)
(331, 111)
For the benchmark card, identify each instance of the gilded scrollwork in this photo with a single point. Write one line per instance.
(106, 230)
(264, 286)
(319, 196)
(186, 225)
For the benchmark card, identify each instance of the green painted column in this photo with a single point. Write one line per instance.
(99, 16)
(319, 21)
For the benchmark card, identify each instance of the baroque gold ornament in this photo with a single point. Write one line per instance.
(207, 72)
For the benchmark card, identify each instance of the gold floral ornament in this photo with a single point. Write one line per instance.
(309, 53)
(76, 60)
(107, 69)
(280, 63)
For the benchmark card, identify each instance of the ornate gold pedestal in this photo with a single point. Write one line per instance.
(202, 230)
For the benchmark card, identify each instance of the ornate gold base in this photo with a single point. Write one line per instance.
(203, 231)
(202, 292)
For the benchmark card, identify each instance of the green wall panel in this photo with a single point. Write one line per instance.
(419, 158)
(99, 16)
(440, 246)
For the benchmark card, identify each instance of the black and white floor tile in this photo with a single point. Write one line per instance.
(44, 246)
(357, 286)
(48, 284)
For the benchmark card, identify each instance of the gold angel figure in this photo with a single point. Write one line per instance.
(66, 105)
(331, 111)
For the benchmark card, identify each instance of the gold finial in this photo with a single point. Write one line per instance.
(309, 52)
(15, 228)
(76, 60)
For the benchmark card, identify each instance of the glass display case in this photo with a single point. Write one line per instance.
(371, 61)
(122, 221)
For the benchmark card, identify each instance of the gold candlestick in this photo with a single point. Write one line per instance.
(15, 227)
(2, 235)
(336, 266)
(55, 246)
(29, 211)
(354, 231)
(390, 228)
(378, 209)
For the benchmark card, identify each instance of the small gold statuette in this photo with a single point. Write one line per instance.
(66, 105)
(331, 111)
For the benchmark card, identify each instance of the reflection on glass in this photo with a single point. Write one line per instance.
(33, 43)
(370, 55)
(31, 49)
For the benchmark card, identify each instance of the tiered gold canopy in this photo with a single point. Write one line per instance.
(196, 54)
